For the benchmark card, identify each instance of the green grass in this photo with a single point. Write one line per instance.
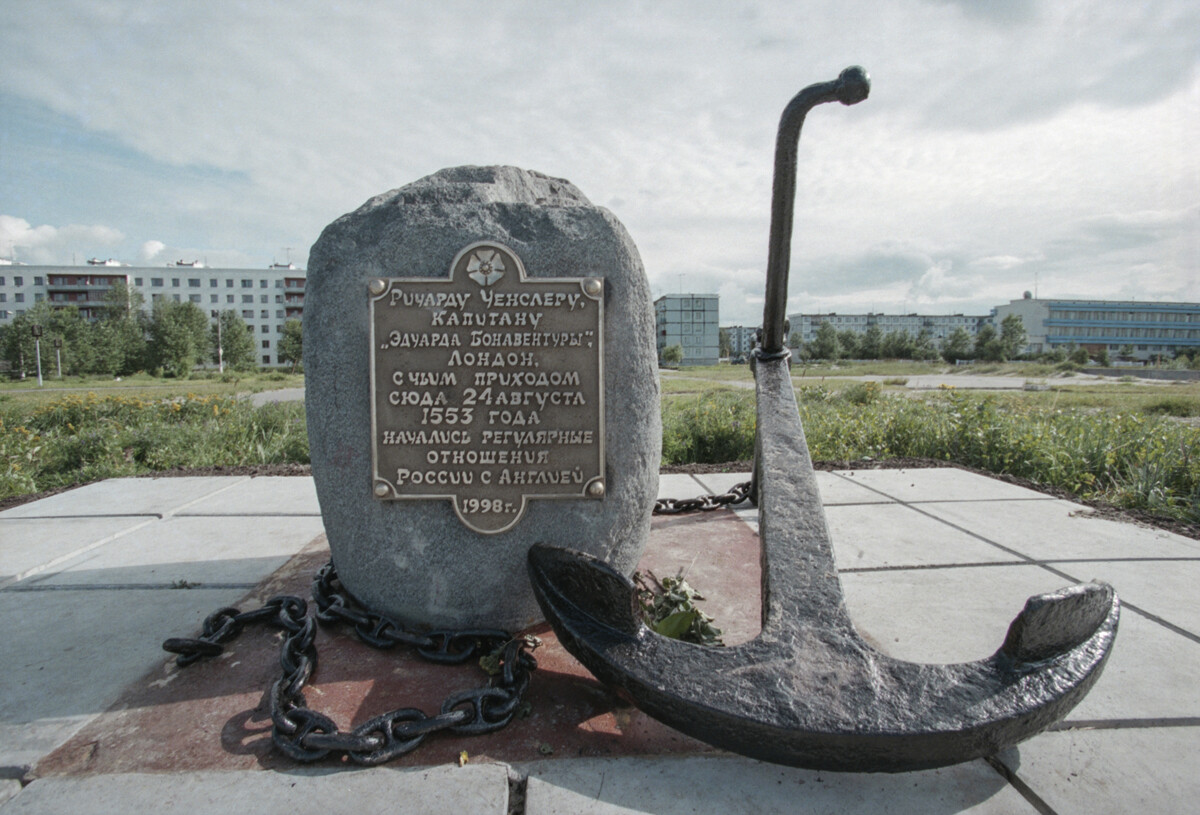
(1130, 444)
(1129, 459)
(79, 438)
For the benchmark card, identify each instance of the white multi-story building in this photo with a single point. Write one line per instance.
(264, 298)
(742, 339)
(938, 326)
(689, 321)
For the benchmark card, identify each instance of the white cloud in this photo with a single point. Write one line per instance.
(47, 244)
(998, 139)
(150, 250)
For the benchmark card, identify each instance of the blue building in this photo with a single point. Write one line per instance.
(1147, 330)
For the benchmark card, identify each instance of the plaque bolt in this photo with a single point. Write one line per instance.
(592, 287)
(596, 489)
(376, 286)
(381, 490)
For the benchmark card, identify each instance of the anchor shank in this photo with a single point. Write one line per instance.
(851, 87)
(800, 582)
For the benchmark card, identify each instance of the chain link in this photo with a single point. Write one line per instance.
(306, 735)
(704, 503)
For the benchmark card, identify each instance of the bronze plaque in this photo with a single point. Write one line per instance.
(487, 387)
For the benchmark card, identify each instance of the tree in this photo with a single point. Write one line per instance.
(723, 342)
(231, 342)
(825, 343)
(871, 345)
(119, 336)
(923, 348)
(1012, 336)
(957, 346)
(987, 344)
(896, 345)
(672, 354)
(848, 342)
(19, 343)
(291, 344)
(178, 336)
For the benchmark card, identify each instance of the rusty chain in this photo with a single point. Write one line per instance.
(304, 734)
(704, 503)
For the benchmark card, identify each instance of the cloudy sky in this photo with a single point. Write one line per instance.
(1007, 144)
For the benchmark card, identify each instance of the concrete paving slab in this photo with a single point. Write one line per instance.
(196, 550)
(29, 545)
(1112, 771)
(834, 488)
(1057, 529)
(1166, 590)
(262, 495)
(481, 788)
(942, 615)
(738, 786)
(867, 536)
(1151, 674)
(9, 787)
(67, 654)
(126, 496)
(679, 485)
(940, 484)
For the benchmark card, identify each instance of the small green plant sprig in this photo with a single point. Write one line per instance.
(669, 608)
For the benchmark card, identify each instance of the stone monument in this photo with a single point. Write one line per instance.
(481, 376)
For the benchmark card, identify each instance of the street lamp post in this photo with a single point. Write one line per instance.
(37, 349)
(58, 354)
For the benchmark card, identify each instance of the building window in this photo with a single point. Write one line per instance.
(18, 280)
(266, 343)
(262, 284)
(264, 314)
(262, 298)
(212, 282)
(137, 281)
(229, 298)
(247, 284)
(229, 283)
(213, 298)
(175, 282)
(3, 297)
(266, 359)
(156, 281)
(193, 282)
(247, 298)
(37, 281)
(19, 297)
(266, 329)
(1, 280)
(195, 298)
(247, 314)
(175, 297)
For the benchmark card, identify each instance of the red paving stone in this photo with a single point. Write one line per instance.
(214, 715)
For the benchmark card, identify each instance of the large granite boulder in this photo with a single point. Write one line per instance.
(416, 560)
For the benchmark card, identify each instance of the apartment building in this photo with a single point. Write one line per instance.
(264, 298)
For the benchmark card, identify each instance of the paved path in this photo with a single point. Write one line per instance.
(935, 563)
